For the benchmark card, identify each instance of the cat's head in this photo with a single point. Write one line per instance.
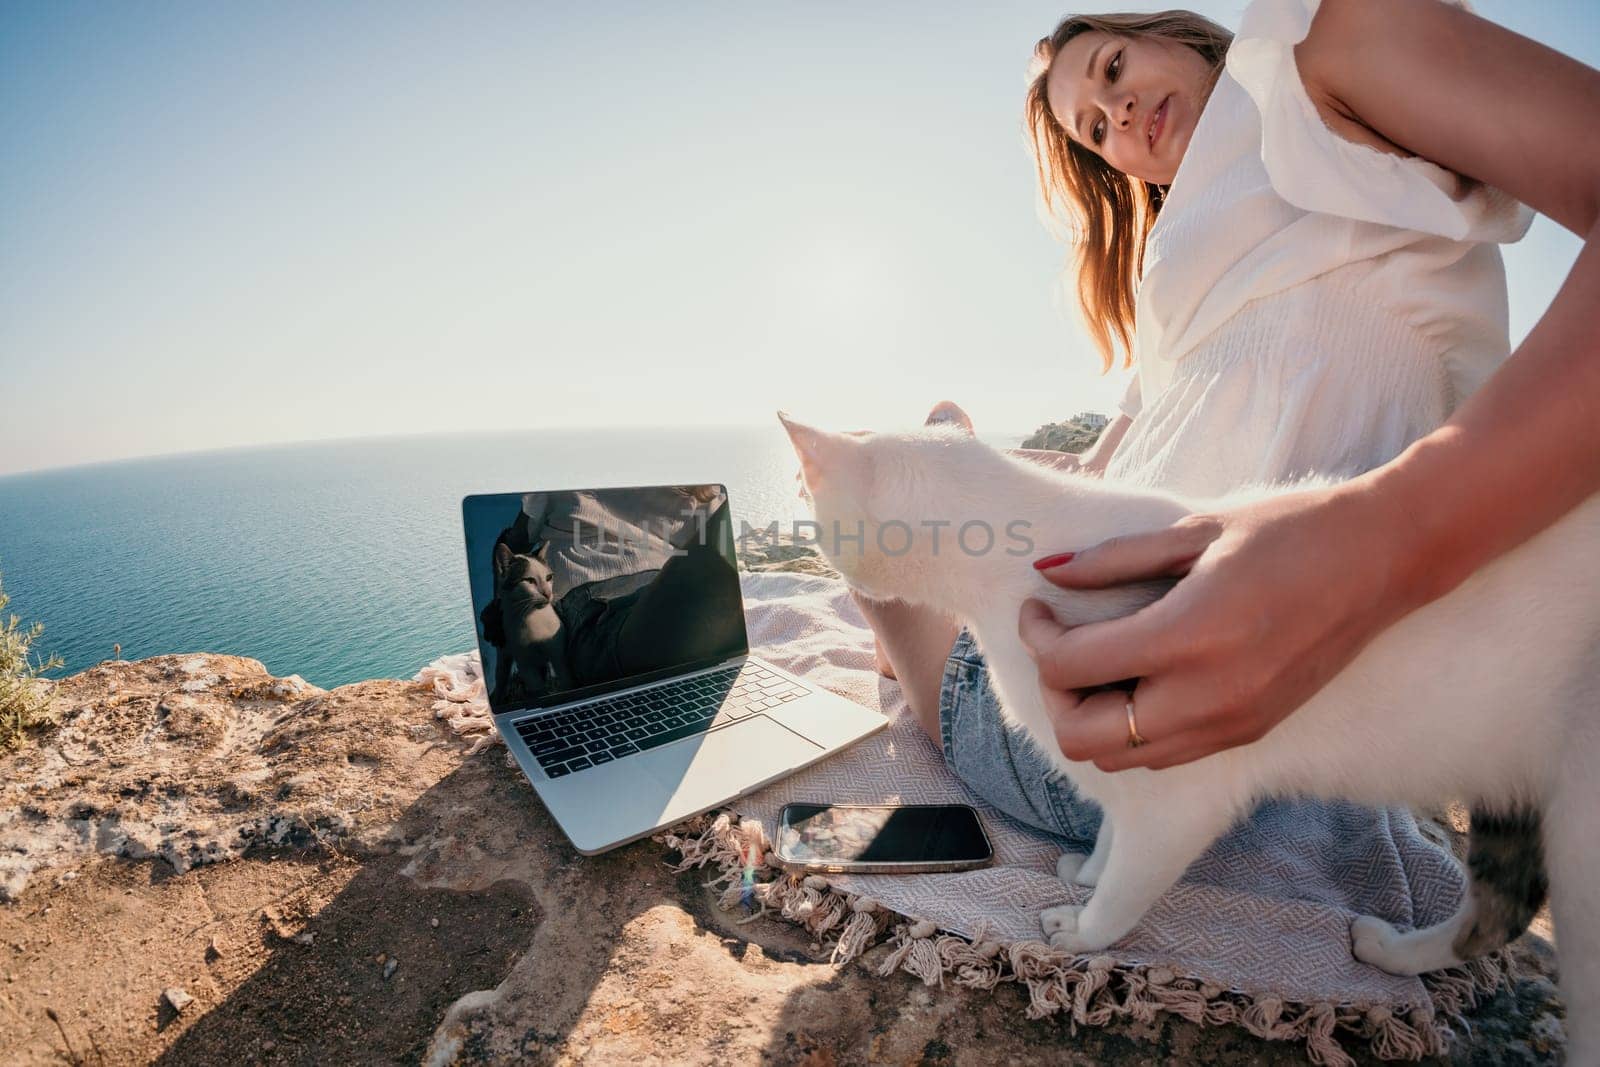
(890, 506)
(523, 581)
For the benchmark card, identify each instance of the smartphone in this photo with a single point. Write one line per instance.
(881, 839)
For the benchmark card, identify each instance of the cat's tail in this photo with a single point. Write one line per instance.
(1508, 886)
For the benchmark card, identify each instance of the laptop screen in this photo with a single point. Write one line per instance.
(579, 592)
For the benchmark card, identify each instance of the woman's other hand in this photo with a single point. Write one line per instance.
(1275, 597)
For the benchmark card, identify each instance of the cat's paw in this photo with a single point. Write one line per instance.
(1377, 942)
(1061, 925)
(1069, 866)
(1064, 926)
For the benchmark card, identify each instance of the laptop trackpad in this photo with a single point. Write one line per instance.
(709, 769)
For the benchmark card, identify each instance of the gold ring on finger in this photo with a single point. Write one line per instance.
(1134, 738)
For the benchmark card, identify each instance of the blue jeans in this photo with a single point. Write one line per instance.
(1001, 763)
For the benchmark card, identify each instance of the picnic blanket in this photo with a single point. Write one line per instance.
(1256, 934)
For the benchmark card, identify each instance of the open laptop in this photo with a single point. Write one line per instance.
(612, 634)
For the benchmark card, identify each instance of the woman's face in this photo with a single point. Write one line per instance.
(1112, 93)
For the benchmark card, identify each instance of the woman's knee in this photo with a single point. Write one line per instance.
(917, 642)
(924, 708)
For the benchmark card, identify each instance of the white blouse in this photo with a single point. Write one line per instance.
(1309, 304)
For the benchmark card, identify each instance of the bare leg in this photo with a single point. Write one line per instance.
(881, 658)
(917, 642)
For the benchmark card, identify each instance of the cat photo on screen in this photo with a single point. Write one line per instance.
(589, 586)
(531, 638)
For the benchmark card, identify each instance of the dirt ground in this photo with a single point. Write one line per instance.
(331, 880)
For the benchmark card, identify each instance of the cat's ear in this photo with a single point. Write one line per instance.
(502, 558)
(542, 551)
(823, 455)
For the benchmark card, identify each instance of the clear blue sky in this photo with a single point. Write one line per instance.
(230, 224)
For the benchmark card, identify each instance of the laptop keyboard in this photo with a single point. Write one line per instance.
(586, 736)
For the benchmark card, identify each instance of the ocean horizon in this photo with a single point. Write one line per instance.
(336, 560)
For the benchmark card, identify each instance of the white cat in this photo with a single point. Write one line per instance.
(1489, 695)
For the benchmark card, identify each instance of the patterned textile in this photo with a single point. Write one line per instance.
(1266, 910)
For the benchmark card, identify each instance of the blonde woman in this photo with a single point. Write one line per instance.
(1291, 232)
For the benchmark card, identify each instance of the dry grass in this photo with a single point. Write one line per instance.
(26, 699)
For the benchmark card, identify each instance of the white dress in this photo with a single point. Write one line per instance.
(1309, 304)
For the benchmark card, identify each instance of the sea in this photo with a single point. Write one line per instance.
(337, 561)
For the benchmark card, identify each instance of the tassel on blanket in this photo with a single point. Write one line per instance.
(916, 953)
(748, 875)
(463, 701)
(1393, 1038)
(1322, 1048)
(867, 920)
(1090, 991)
(975, 963)
(1097, 976)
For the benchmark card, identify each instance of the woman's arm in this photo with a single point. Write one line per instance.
(1098, 455)
(1518, 455)
(1462, 92)
(1232, 649)
(1490, 104)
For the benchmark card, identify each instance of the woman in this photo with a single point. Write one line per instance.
(1469, 98)
(1318, 290)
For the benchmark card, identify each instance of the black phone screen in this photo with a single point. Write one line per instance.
(888, 834)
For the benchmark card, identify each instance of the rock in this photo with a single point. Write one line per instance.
(272, 815)
(178, 998)
(292, 686)
(1074, 435)
(766, 550)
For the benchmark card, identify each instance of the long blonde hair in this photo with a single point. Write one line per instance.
(1108, 214)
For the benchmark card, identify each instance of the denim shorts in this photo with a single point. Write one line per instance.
(1000, 762)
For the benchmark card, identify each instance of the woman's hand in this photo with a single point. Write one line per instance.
(1275, 598)
(1049, 457)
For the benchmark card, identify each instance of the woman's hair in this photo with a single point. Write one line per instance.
(1107, 213)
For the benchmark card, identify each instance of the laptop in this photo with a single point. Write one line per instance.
(612, 635)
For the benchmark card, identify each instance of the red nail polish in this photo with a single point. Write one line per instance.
(1052, 561)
